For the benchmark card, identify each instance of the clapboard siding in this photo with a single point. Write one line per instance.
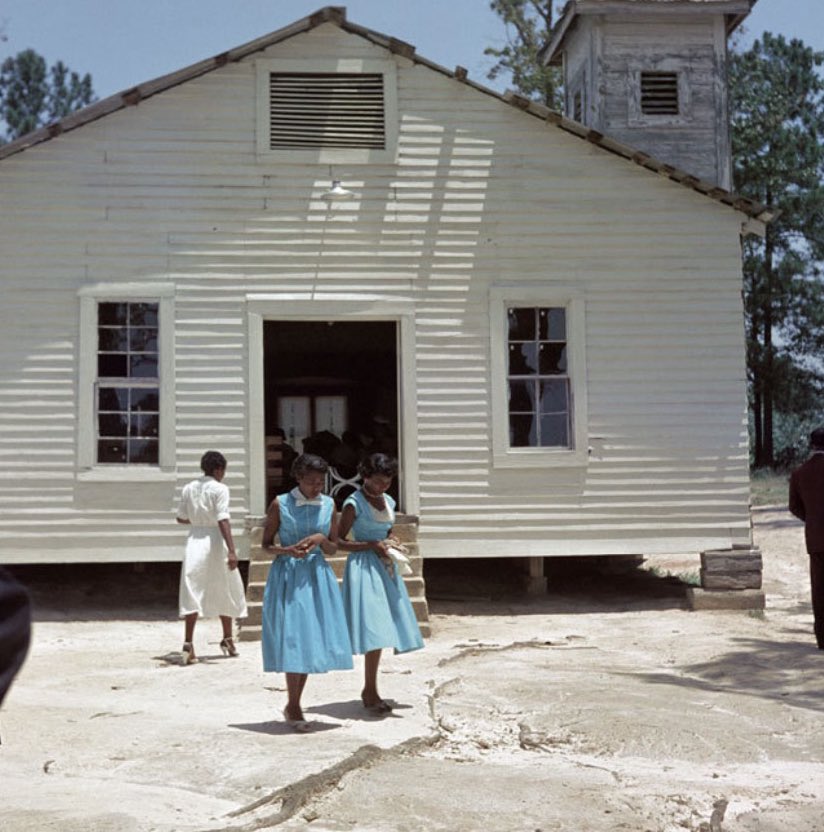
(172, 191)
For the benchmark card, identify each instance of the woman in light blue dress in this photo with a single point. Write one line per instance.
(378, 609)
(304, 626)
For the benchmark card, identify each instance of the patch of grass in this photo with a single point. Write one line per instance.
(691, 578)
(768, 488)
(759, 614)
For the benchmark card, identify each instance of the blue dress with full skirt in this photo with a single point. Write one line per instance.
(378, 609)
(304, 625)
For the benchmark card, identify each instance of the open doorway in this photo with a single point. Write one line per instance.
(330, 388)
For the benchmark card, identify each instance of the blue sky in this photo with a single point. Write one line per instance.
(125, 42)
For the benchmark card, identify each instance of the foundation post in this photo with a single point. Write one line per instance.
(536, 580)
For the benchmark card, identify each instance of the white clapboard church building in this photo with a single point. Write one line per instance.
(322, 240)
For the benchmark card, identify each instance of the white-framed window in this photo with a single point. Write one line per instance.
(126, 365)
(538, 361)
(659, 94)
(337, 111)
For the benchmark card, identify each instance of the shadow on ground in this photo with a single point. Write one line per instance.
(574, 586)
(148, 591)
(101, 592)
(756, 667)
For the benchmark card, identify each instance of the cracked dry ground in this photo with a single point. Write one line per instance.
(566, 734)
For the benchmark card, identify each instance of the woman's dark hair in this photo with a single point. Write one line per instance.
(308, 464)
(382, 464)
(211, 461)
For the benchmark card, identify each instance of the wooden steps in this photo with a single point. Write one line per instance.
(405, 528)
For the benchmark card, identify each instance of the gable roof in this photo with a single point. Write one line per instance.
(337, 15)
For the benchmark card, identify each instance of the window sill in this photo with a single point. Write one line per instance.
(126, 473)
(528, 458)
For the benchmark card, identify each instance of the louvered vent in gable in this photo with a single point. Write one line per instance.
(326, 110)
(659, 93)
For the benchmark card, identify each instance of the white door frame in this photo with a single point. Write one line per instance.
(305, 306)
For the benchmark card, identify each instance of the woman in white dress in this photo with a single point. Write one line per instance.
(210, 583)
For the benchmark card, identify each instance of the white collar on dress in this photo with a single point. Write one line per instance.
(301, 500)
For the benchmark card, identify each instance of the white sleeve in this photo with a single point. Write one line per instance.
(183, 508)
(222, 503)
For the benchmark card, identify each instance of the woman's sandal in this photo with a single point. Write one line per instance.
(301, 726)
(381, 706)
(188, 653)
(228, 647)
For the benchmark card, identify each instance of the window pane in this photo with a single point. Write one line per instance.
(552, 359)
(112, 314)
(145, 398)
(113, 398)
(554, 398)
(552, 323)
(143, 340)
(144, 424)
(112, 424)
(111, 450)
(522, 431)
(143, 366)
(521, 396)
(127, 338)
(143, 314)
(143, 451)
(112, 366)
(112, 339)
(522, 324)
(554, 431)
(522, 359)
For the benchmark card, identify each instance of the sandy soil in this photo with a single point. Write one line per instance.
(603, 706)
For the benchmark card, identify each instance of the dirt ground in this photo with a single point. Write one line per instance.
(604, 705)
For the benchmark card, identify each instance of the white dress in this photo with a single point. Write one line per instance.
(207, 585)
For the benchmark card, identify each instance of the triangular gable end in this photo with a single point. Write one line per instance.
(336, 15)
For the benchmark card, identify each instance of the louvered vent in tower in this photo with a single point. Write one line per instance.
(659, 93)
(326, 110)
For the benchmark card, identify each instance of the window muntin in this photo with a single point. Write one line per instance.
(538, 383)
(127, 389)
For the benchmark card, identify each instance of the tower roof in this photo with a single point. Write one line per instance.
(734, 12)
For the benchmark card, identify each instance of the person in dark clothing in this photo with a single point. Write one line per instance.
(15, 629)
(807, 504)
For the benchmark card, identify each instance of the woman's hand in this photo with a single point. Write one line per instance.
(231, 559)
(311, 542)
(381, 547)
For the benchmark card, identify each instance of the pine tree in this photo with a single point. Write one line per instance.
(528, 24)
(777, 100)
(32, 95)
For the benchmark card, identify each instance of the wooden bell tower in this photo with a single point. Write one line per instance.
(652, 74)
